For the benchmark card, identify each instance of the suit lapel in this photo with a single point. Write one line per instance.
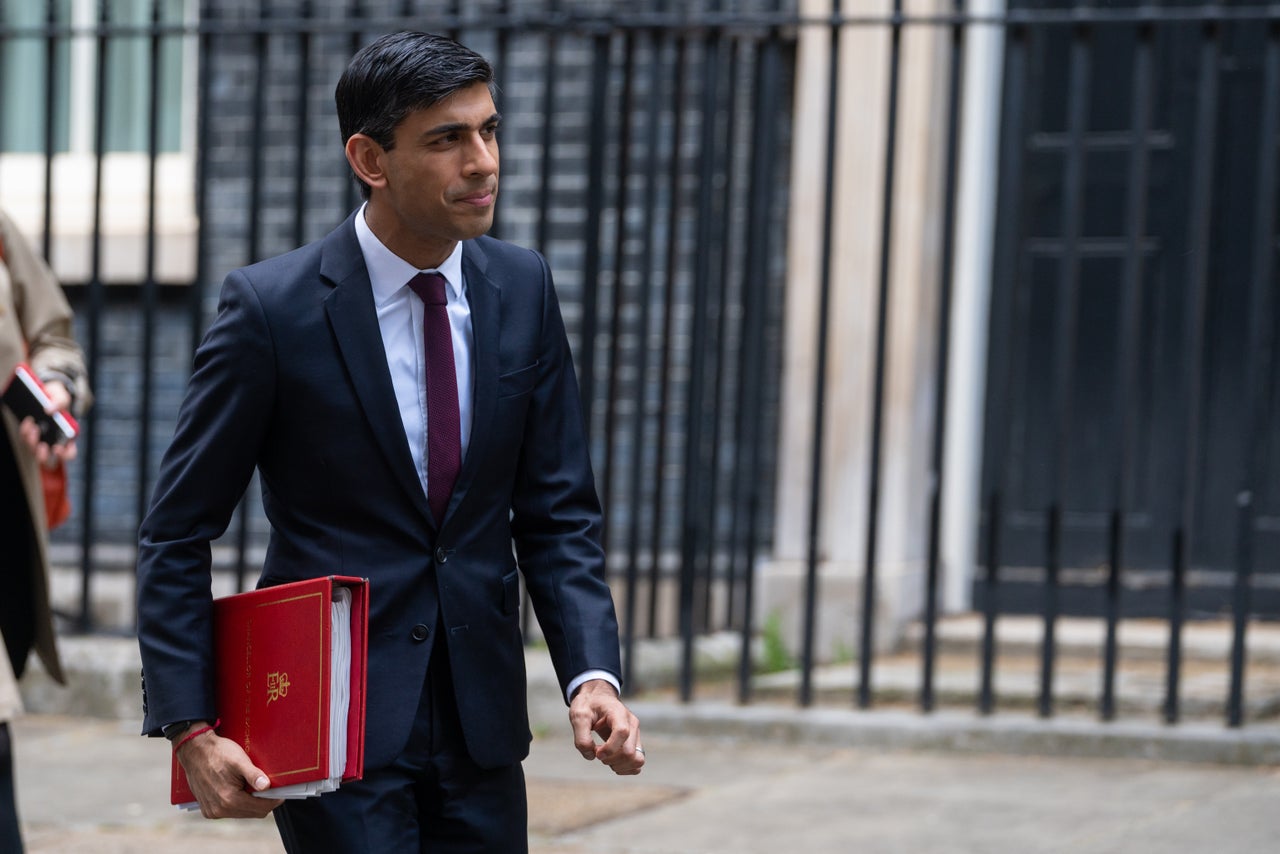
(354, 321)
(485, 301)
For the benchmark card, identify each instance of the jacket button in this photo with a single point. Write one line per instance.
(441, 555)
(420, 632)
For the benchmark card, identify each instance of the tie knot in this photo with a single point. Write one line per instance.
(429, 287)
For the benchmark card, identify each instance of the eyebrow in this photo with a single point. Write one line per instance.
(450, 127)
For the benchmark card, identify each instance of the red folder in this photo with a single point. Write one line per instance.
(272, 674)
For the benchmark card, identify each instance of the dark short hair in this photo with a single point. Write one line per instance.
(398, 74)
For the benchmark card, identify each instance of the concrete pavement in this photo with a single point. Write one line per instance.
(93, 785)
(763, 778)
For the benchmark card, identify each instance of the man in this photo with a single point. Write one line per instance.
(323, 370)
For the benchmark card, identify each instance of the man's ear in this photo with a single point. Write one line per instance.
(365, 157)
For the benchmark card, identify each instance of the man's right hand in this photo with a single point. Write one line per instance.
(218, 771)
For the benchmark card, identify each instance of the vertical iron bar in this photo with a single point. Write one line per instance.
(754, 299)
(937, 462)
(668, 336)
(4, 44)
(720, 404)
(5, 38)
(1198, 237)
(455, 14)
(709, 333)
(866, 646)
(303, 130)
(501, 74)
(1064, 350)
(694, 494)
(668, 323)
(1257, 439)
(818, 437)
(544, 200)
(1005, 321)
(599, 141)
(548, 138)
(1177, 601)
(208, 14)
(648, 266)
(261, 47)
(1129, 355)
(149, 278)
(618, 303)
(89, 440)
(990, 602)
(737, 496)
(355, 12)
(636, 477)
(50, 133)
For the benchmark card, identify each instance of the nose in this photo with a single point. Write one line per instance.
(482, 155)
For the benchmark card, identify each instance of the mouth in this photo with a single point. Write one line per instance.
(479, 198)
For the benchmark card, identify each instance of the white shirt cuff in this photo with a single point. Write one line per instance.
(587, 676)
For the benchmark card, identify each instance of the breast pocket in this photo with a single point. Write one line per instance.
(518, 382)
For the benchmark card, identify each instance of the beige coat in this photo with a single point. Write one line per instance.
(36, 327)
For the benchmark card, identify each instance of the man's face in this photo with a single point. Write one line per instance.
(441, 178)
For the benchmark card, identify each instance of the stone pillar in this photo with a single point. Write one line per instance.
(911, 317)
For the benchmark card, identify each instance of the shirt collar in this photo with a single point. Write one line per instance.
(388, 272)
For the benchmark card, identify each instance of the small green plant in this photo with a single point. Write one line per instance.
(842, 653)
(774, 657)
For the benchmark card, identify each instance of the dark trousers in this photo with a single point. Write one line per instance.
(433, 799)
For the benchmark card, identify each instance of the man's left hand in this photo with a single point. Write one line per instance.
(596, 708)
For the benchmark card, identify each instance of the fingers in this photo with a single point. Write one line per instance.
(45, 454)
(31, 435)
(219, 773)
(583, 720)
(621, 750)
(61, 453)
(603, 714)
(59, 397)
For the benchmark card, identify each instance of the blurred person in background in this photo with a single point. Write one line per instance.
(35, 328)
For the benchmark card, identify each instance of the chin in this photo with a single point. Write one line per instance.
(478, 229)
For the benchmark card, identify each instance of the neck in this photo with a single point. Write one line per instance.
(421, 252)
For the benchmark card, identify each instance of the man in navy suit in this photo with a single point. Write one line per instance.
(322, 371)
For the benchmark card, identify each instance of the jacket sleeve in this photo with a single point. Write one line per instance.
(556, 516)
(209, 464)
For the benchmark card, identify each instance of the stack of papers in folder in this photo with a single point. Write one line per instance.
(289, 682)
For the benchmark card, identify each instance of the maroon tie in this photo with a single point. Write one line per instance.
(444, 445)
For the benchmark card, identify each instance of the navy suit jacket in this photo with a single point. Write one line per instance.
(292, 379)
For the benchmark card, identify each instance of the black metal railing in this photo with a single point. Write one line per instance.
(647, 154)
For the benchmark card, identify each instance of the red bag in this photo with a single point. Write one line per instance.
(57, 505)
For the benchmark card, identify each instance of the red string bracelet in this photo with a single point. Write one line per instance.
(194, 733)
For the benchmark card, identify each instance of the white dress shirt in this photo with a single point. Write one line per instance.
(400, 314)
